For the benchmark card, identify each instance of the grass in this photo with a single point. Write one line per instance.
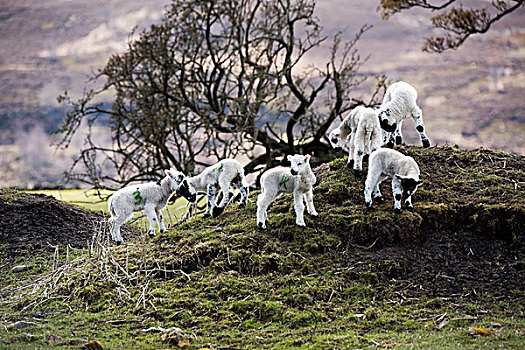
(222, 283)
(88, 199)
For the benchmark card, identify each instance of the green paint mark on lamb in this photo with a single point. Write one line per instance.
(284, 180)
(218, 168)
(138, 197)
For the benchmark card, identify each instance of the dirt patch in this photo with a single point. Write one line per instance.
(33, 223)
(447, 264)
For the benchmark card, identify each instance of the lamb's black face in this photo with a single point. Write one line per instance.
(187, 191)
(409, 186)
(384, 120)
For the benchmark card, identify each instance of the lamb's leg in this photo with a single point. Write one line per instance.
(299, 208)
(397, 133)
(360, 139)
(351, 146)
(397, 192)
(224, 184)
(417, 115)
(149, 210)
(376, 193)
(210, 205)
(384, 135)
(408, 203)
(310, 202)
(263, 202)
(160, 218)
(244, 192)
(115, 223)
(375, 142)
(371, 184)
(391, 140)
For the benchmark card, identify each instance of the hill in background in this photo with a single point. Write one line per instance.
(470, 97)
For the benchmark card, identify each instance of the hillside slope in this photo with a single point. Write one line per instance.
(351, 278)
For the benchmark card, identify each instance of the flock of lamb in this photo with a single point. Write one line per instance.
(365, 130)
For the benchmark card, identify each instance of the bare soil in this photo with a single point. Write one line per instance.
(34, 223)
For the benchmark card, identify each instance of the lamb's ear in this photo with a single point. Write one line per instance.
(399, 177)
(419, 182)
(289, 157)
(307, 158)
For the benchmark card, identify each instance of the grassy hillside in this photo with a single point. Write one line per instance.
(351, 279)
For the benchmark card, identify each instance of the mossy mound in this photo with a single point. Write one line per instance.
(476, 193)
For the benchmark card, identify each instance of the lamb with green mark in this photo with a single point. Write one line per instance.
(152, 197)
(224, 174)
(298, 179)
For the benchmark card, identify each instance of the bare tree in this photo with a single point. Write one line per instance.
(458, 23)
(216, 79)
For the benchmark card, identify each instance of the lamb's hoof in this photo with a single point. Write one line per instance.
(163, 231)
(397, 210)
(399, 140)
(379, 199)
(369, 207)
(217, 211)
(151, 234)
(119, 242)
(426, 143)
(302, 224)
(390, 144)
(261, 225)
(350, 164)
(314, 213)
(365, 158)
(358, 172)
(410, 208)
(206, 215)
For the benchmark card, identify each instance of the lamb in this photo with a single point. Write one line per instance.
(225, 173)
(404, 172)
(152, 197)
(361, 127)
(297, 179)
(398, 104)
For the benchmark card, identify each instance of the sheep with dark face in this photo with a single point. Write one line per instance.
(223, 174)
(298, 179)
(152, 197)
(361, 128)
(404, 172)
(398, 104)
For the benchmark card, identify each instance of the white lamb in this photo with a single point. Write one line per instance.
(398, 104)
(361, 127)
(403, 170)
(298, 179)
(225, 173)
(152, 197)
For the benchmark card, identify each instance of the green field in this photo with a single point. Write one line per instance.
(89, 199)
